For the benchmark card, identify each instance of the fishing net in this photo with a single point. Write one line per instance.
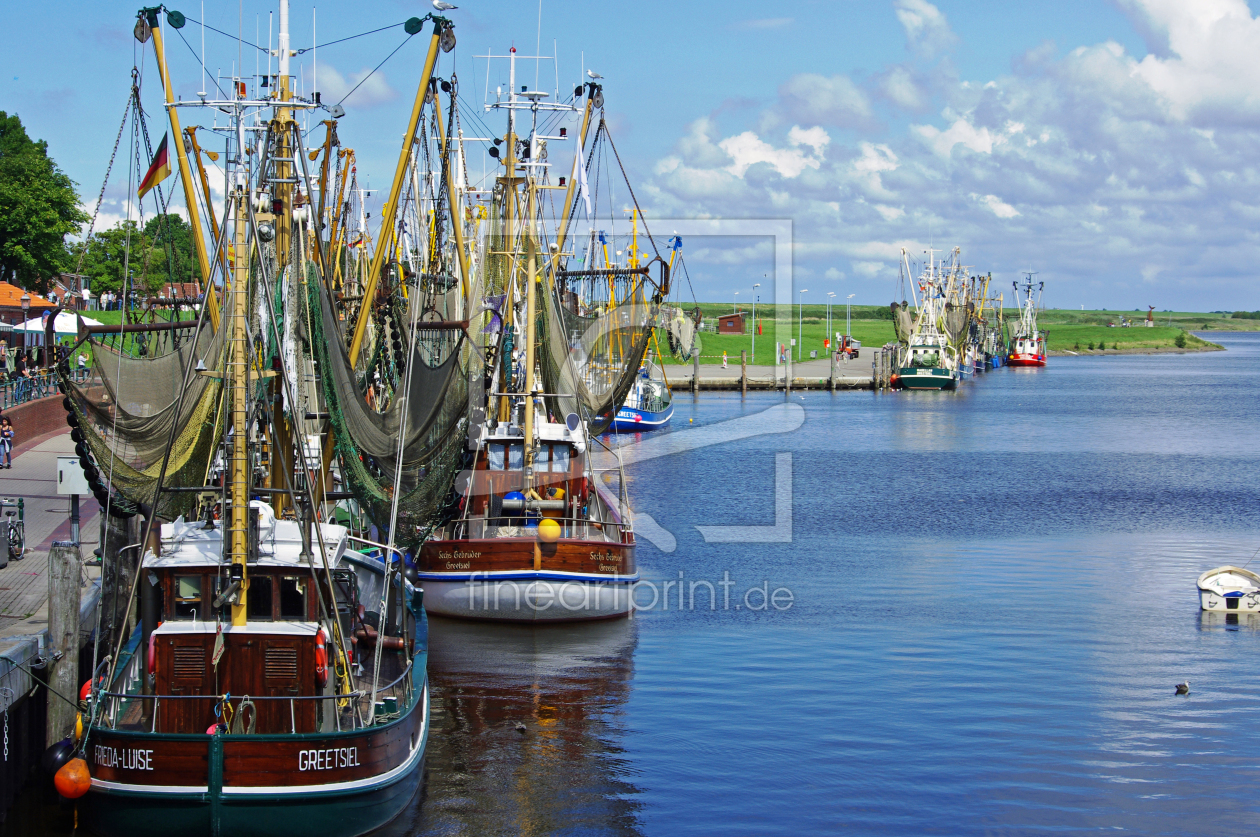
(954, 323)
(126, 418)
(428, 411)
(593, 333)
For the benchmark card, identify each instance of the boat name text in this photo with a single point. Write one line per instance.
(123, 759)
(328, 759)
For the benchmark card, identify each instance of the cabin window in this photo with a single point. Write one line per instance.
(560, 459)
(512, 456)
(187, 597)
(516, 456)
(495, 454)
(258, 599)
(293, 598)
(542, 459)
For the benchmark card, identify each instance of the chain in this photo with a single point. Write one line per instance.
(7, 695)
(101, 197)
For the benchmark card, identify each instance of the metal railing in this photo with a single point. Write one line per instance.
(587, 529)
(19, 390)
(119, 702)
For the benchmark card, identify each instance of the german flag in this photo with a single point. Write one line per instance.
(159, 169)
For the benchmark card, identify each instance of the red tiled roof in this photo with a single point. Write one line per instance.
(11, 297)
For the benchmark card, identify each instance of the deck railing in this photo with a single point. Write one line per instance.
(120, 702)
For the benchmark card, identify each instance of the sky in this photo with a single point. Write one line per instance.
(1110, 146)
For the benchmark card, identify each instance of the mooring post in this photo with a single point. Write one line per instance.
(64, 571)
(833, 370)
(695, 372)
(743, 371)
(787, 377)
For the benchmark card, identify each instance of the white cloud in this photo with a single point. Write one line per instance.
(819, 100)
(995, 205)
(899, 87)
(927, 31)
(962, 131)
(874, 160)
(333, 87)
(747, 149)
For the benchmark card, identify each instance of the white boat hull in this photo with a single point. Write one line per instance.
(1229, 590)
(517, 597)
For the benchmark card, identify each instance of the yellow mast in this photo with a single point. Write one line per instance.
(389, 212)
(237, 369)
(531, 277)
(185, 175)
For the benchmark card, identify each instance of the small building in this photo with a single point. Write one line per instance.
(69, 289)
(731, 323)
(11, 312)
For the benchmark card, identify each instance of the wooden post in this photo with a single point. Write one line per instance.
(64, 570)
(695, 372)
(833, 370)
(743, 371)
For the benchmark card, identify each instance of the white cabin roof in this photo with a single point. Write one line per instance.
(190, 544)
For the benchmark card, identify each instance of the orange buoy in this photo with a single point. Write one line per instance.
(73, 779)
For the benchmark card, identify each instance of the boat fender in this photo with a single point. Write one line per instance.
(153, 654)
(56, 756)
(321, 658)
(73, 779)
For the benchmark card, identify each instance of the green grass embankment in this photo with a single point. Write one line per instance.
(1081, 338)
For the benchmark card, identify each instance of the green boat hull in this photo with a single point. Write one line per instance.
(915, 377)
(347, 814)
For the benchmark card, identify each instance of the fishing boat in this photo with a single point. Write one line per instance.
(276, 683)
(1028, 343)
(649, 405)
(928, 357)
(535, 534)
(1229, 590)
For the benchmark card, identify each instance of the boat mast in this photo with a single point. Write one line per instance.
(283, 182)
(237, 370)
(150, 16)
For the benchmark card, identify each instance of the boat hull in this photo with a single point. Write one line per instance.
(342, 784)
(1229, 590)
(1026, 360)
(915, 377)
(524, 580)
(631, 420)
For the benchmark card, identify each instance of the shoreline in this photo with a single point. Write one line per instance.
(1149, 350)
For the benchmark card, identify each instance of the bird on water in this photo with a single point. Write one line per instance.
(1183, 688)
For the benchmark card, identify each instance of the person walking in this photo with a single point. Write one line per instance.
(7, 437)
(83, 370)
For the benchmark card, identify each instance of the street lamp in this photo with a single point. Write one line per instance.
(734, 304)
(754, 318)
(847, 318)
(830, 297)
(800, 321)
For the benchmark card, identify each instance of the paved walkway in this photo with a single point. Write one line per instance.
(849, 373)
(24, 584)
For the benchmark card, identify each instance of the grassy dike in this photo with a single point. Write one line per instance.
(871, 326)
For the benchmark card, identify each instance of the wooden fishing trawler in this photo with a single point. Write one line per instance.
(536, 535)
(276, 683)
(928, 358)
(1028, 343)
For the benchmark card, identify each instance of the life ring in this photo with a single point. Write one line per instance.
(321, 658)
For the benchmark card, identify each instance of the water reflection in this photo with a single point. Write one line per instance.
(564, 772)
(1213, 621)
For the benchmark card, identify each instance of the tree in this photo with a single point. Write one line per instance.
(161, 252)
(38, 208)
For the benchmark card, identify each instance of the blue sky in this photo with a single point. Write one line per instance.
(1110, 146)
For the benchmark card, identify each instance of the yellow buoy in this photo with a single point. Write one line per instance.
(78, 727)
(548, 530)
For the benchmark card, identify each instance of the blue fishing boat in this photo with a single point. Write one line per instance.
(649, 405)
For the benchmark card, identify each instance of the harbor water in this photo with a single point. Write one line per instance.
(990, 595)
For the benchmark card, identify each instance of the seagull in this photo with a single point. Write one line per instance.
(1183, 688)
(443, 6)
(593, 74)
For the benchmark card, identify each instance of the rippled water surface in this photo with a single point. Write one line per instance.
(992, 597)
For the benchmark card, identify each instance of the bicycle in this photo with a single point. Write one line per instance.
(15, 531)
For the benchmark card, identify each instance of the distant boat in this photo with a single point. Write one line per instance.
(1028, 346)
(649, 404)
(928, 358)
(1229, 590)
